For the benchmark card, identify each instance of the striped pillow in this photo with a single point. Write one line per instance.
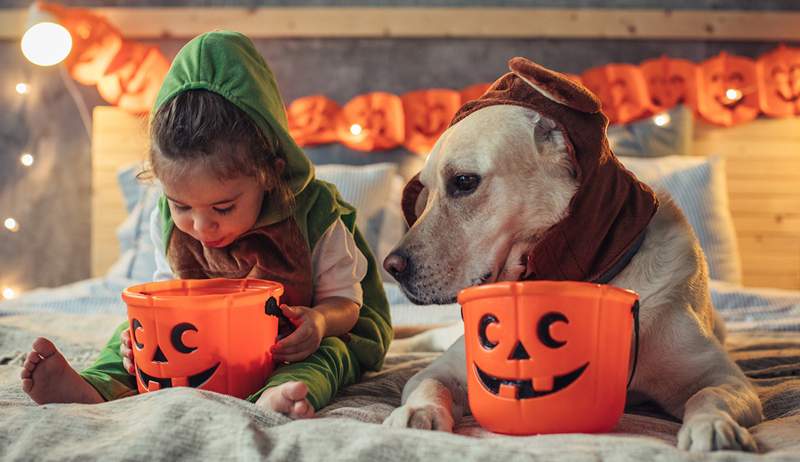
(698, 187)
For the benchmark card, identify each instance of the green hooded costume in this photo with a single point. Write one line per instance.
(279, 246)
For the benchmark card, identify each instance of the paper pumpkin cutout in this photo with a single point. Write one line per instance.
(779, 81)
(670, 82)
(427, 115)
(372, 122)
(539, 354)
(622, 90)
(312, 120)
(728, 90)
(133, 78)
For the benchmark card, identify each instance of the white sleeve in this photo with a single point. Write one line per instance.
(338, 266)
(163, 271)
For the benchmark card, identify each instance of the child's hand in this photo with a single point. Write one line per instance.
(306, 338)
(126, 351)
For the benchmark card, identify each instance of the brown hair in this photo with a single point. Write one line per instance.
(199, 126)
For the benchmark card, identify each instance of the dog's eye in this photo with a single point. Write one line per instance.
(461, 185)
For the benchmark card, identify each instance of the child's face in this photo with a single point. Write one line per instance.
(213, 211)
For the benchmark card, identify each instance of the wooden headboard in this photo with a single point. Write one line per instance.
(763, 173)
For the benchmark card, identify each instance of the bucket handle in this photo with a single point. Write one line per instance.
(285, 326)
(635, 312)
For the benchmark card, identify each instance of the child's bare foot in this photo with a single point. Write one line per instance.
(289, 399)
(47, 377)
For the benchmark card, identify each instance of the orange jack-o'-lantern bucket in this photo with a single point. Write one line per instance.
(213, 334)
(547, 356)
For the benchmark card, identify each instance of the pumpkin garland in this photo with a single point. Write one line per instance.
(723, 90)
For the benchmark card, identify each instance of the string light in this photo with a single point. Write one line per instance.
(46, 44)
(22, 88)
(9, 293)
(662, 119)
(356, 129)
(26, 159)
(733, 94)
(11, 224)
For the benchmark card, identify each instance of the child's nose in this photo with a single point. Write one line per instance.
(204, 225)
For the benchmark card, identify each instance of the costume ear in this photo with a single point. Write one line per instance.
(555, 86)
(415, 196)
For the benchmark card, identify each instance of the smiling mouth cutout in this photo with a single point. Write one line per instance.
(193, 381)
(728, 103)
(788, 99)
(524, 389)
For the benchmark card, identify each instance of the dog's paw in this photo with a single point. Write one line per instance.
(427, 417)
(715, 432)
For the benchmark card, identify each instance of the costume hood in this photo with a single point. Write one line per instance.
(227, 63)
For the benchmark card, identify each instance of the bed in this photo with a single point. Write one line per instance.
(188, 424)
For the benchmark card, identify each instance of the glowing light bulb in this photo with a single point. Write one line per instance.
(356, 129)
(23, 88)
(733, 94)
(662, 119)
(11, 225)
(26, 159)
(46, 43)
(9, 293)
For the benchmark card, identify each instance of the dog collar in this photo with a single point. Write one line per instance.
(626, 258)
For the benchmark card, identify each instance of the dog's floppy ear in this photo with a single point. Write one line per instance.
(554, 86)
(415, 196)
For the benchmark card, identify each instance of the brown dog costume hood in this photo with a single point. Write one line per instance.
(608, 215)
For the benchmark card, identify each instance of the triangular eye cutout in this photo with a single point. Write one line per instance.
(159, 357)
(519, 352)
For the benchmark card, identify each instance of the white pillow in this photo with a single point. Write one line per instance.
(375, 190)
(699, 189)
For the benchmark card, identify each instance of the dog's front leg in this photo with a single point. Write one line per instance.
(436, 397)
(693, 378)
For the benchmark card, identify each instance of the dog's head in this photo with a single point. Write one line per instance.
(515, 163)
(492, 184)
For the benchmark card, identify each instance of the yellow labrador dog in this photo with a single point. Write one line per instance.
(494, 184)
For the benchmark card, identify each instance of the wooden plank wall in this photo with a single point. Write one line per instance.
(763, 176)
(118, 140)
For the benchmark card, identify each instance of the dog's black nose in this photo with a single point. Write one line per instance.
(396, 264)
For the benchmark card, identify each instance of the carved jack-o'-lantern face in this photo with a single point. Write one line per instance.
(526, 354)
(213, 334)
(779, 78)
(549, 331)
(670, 82)
(427, 115)
(540, 353)
(622, 90)
(312, 120)
(372, 121)
(729, 91)
(183, 345)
